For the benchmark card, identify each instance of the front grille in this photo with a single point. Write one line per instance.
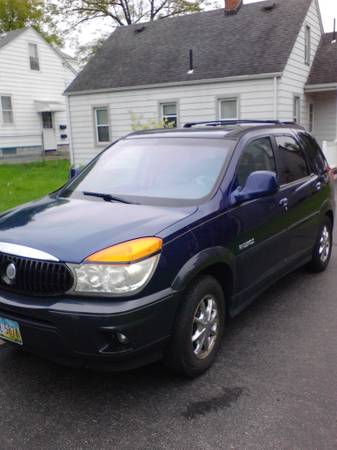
(34, 277)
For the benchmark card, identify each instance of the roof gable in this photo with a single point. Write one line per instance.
(324, 67)
(256, 40)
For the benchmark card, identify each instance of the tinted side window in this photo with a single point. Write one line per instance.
(293, 163)
(317, 160)
(257, 155)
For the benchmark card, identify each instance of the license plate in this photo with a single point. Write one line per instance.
(10, 331)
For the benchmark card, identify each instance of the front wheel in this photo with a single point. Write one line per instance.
(198, 328)
(323, 247)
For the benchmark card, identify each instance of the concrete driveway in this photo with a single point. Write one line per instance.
(274, 386)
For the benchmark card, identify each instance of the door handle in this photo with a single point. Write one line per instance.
(284, 203)
(318, 185)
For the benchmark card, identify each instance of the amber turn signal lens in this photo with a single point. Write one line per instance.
(129, 251)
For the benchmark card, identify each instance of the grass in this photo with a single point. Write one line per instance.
(20, 183)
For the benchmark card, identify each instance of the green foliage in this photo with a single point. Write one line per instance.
(20, 183)
(40, 14)
(138, 123)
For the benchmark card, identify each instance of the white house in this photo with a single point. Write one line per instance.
(248, 61)
(33, 77)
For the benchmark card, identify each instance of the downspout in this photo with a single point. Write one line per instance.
(70, 134)
(275, 99)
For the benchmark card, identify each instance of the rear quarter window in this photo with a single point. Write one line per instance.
(317, 161)
(293, 161)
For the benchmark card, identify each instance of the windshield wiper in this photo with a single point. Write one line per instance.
(108, 197)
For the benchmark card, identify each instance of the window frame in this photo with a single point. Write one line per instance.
(307, 45)
(245, 144)
(30, 57)
(166, 103)
(96, 125)
(7, 110)
(235, 98)
(280, 161)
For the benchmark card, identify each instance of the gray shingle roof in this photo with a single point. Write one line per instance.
(324, 68)
(251, 42)
(9, 36)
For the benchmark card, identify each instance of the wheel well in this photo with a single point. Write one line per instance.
(224, 276)
(330, 215)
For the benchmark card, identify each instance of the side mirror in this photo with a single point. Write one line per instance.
(259, 184)
(74, 171)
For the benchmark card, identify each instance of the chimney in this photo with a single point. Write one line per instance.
(232, 6)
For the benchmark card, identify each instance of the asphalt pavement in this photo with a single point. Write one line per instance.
(273, 386)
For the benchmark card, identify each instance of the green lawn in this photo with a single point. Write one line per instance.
(20, 183)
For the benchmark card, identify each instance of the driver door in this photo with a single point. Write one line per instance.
(260, 243)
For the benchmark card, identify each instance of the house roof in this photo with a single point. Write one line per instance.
(9, 36)
(324, 68)
(256, 40)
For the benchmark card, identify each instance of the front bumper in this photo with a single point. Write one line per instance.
(83, 332)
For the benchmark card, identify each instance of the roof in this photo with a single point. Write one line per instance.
(9, 36)
(324, 68)
(253, 41)
(231, 131)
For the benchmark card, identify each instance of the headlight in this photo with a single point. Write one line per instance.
(121, 269)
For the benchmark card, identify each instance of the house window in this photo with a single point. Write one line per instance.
(228, 109)
(47, 119)
(307, 47)
(34, 57)
(311, 117)
(169, 114)
(102, 124)
(7, 109)
(297, 109)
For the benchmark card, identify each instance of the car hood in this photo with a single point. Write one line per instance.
(72, 229)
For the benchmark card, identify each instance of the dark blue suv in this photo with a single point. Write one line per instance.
(146, 252)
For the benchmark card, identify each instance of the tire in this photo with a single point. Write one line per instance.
(191, 358)
(323, 247)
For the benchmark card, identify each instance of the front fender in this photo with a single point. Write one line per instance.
(200, 262)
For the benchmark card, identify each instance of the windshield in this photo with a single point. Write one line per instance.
(154, 170)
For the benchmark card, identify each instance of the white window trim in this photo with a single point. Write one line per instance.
(96, 126)
(307, 44)
(7, 124)
(219, 100)
(169, 102)
(38, 57)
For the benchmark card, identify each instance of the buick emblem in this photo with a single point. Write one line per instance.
(10, 273)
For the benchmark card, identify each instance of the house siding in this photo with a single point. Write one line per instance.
(325, 116)
(296, 71)
(195, 102)
(25, 86)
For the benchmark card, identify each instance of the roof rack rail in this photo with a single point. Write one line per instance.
(215, 123)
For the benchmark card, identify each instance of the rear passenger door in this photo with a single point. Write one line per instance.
(300, 197)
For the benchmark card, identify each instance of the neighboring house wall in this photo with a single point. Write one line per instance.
(297, 71)
(25, 86)
(194, 102)
(325, 116)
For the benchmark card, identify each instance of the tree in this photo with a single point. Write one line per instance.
(126, 12)
(39, 14)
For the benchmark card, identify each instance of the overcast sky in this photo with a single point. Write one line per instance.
(328, 9)
(90, 31)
